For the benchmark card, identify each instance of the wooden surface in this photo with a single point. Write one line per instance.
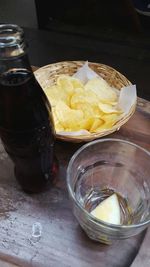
(62, 242)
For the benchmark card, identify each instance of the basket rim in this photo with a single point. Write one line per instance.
(81, 62)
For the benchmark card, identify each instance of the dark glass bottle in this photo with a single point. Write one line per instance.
(26, 124)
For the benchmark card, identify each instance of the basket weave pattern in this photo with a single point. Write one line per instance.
(48, 75)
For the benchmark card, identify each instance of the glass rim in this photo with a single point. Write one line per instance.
(72, 195)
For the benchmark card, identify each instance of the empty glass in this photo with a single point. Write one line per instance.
(100, 168)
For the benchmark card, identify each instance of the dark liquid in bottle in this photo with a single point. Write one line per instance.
(26, 128)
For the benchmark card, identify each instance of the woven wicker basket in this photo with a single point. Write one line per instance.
(47, 75)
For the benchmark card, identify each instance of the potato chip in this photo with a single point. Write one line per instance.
(77, 107)
(114, 103)
(84, 97)
(70, 118)
(64, 82)
(87, 103)
(59, 127)
(89, 114)
(69, 84)
(102, 90)
(57, 124)
(84, 124)
(54, 93)
(109, 121)
(107, 108)
(79, 90)
(110, 117)
(96, 124)
(76, 83)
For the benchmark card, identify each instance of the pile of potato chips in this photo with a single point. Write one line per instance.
(77, 106)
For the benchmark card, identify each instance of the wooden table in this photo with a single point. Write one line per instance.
(62, 242)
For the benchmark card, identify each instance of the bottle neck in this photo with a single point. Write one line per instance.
(19, 62)
(12, 49)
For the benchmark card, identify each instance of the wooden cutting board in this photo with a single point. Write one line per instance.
(62, 242)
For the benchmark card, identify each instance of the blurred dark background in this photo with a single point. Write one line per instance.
(115, 32)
